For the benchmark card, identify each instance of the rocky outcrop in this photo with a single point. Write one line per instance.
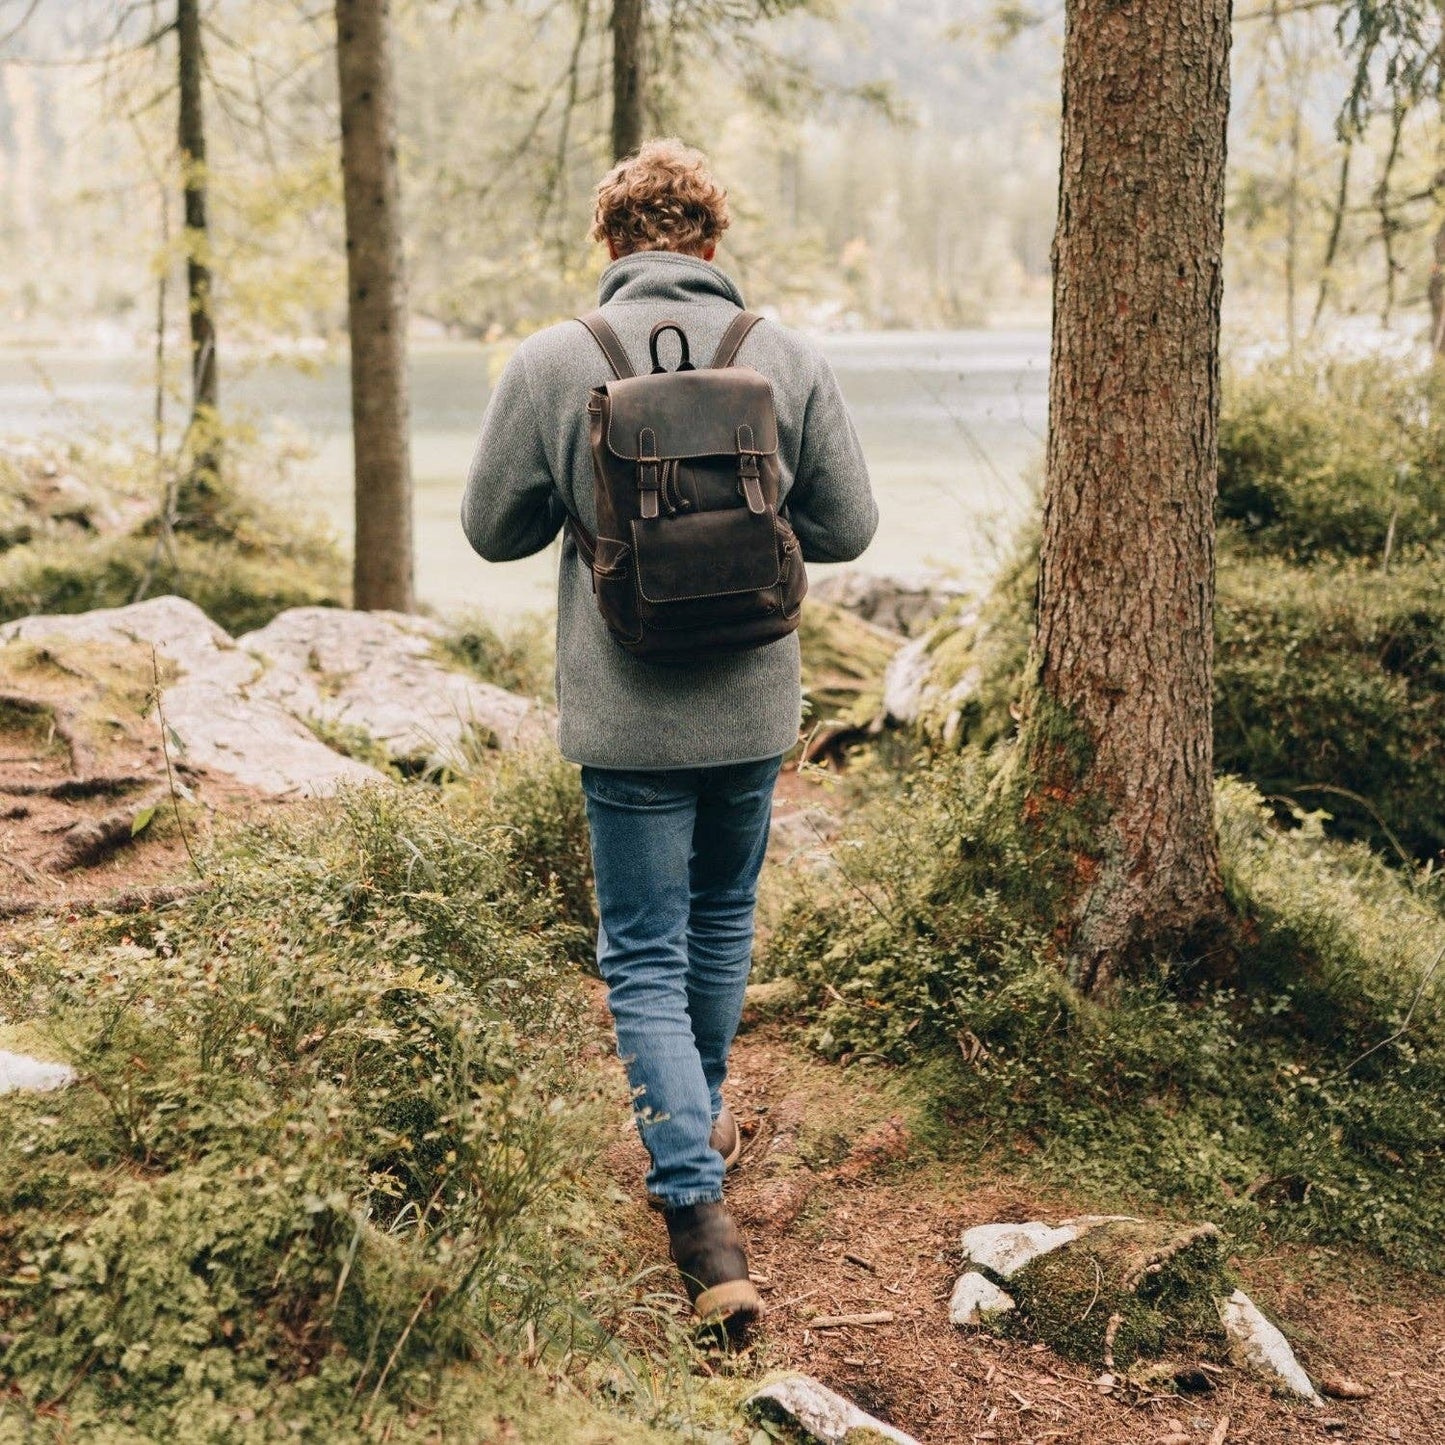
(378, 671)
(1105, 1285)
(900, 604)
(21, 1071)
(257, 709)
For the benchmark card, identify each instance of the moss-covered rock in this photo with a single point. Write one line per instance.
(1124, 1291)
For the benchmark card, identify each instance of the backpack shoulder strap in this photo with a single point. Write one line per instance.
(733, 338)
(606, 338)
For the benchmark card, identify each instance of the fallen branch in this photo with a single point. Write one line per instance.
(1111, 1331)
(835, 1322)
(132, 900)
(88, 841)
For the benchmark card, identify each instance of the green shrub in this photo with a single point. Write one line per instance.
(939, 948)
(315, 1152)
(1319, 459)
(240, 559)
(1329, 684)
(238, 587)
(1329, 688)
(521, 659)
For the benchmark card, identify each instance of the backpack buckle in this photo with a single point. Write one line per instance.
(749, 480)
(649, 470)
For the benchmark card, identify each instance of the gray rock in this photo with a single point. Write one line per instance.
(1004, 1249)
(822, 1414)
(904, 680)
(1258, 1345)
(20, 1071)
(976, 1296)
(900, 604)
(214, 720)
(378, 671)
(242, 709)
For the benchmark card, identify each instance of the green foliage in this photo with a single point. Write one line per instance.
(1327, 460)
(95, 544)
(1329, 688)
(316, 1152)
(239, 585)
(844, 659)
(521, 659)
(938, 947)
(1329, 671)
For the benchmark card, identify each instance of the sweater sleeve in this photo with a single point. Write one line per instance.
(511, 507)
(831, 504)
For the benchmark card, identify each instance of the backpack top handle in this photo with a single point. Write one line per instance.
(686, 363)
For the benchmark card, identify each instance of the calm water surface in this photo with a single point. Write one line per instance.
(952, 423)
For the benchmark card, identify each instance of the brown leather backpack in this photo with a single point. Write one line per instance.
(691, 558)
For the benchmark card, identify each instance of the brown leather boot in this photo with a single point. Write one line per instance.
(708, 1251)
(726, 1138)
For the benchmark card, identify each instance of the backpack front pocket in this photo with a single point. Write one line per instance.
(699, 555)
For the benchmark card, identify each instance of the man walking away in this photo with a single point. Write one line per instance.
(687, 492)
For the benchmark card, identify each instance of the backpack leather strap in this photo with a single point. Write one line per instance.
(606, 338)
(733, 338)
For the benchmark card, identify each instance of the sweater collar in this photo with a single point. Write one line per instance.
(664, 276)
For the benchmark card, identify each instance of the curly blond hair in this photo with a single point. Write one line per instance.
(664, 198)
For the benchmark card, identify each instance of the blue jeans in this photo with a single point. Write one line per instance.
(676, 856)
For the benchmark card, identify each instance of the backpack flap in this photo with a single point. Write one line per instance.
(690, 414)
(706, 554)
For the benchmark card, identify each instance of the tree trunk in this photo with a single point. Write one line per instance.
(1436, 292)
(205, 441)
(1118, 727)
(627, 77)
(376, 302)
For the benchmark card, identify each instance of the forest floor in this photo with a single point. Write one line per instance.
(848, 1210)
(872, 1226)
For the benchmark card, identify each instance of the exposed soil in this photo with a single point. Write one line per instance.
(864, 1231)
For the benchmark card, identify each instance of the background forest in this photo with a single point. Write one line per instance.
(891, 165)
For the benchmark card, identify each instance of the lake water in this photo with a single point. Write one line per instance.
(952, 423)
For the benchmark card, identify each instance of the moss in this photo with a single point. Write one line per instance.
(322, 1169)
(94, 543)
(1068, 1297)
(240, 587)
(1267, 1104)
(1330, 458)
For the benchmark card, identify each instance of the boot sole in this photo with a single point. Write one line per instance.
(736, 1299)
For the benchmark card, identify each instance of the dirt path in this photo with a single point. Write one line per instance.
(864, 1231)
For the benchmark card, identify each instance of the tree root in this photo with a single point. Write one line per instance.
(1154, 1263)
(131, 900)
(93, 785)
(91, 839)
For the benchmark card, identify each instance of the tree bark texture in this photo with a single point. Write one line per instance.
(1123, 649)
(382, 569)
(191, 138)
(628, 38)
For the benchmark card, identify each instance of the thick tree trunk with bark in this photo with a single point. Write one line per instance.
(627, 77)
(1118, 726)
(205, 374)
(382, 573)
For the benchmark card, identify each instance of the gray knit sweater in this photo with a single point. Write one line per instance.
(615, 710)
